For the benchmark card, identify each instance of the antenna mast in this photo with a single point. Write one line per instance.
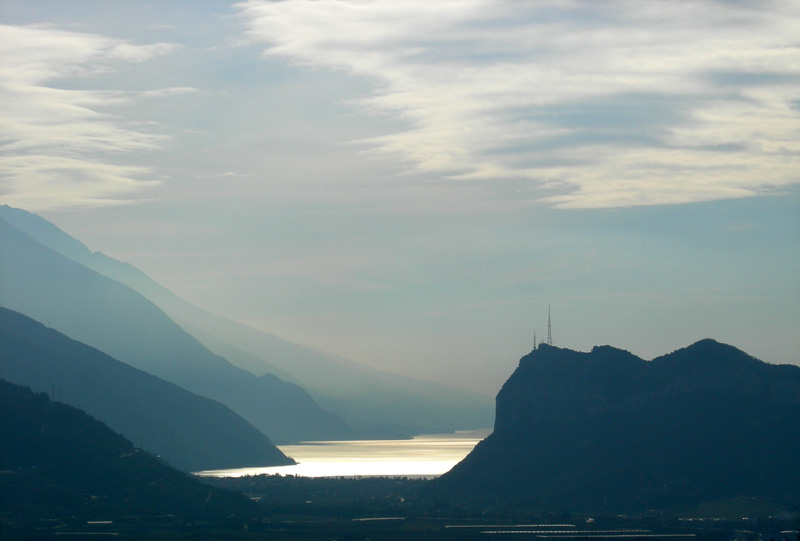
(549, 328)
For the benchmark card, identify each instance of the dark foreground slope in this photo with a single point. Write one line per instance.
(98, 311)
(56, 461)
(607, 431)
(189, 431)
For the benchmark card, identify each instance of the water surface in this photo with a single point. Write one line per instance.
(427, 455)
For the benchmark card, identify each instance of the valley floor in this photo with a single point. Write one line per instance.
(299, 508)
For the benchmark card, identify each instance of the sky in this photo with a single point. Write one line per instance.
(412, 184)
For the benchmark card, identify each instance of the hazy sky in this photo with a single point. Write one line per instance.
(409, 184)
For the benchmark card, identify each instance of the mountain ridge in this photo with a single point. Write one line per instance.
(386, 404)
(607, 431)
(56, 460)
(189, 431)
(98, 311)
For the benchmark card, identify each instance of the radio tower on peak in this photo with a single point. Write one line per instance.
(549, 328)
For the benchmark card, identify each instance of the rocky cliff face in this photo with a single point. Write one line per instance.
(608, 431)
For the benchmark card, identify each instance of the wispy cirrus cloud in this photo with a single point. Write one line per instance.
(58, 146)
(601, 104)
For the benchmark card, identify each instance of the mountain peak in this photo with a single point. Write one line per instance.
(708, 353)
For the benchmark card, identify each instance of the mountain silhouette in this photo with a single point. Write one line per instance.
(188, 431)
(58, 461)
(607, 431)
(385, 404)
(102, 313)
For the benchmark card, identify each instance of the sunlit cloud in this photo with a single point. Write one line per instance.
(600, 104)
(58, 146)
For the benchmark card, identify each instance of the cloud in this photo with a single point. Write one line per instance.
(601, 104)
(168, 92)
(140, 53)
(58, 147)
(40, 181)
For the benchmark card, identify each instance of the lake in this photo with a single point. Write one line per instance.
(427, 455)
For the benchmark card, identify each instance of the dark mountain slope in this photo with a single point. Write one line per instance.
(115, 319)
(56, 460)
(607, 431)
(386, 403)
(189, 431)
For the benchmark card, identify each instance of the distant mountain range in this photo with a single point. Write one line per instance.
(188, 431)
(372, 402)
(102, 313)
(606, 431)
(56, 461)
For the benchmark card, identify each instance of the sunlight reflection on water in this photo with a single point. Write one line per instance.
(428, 455)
